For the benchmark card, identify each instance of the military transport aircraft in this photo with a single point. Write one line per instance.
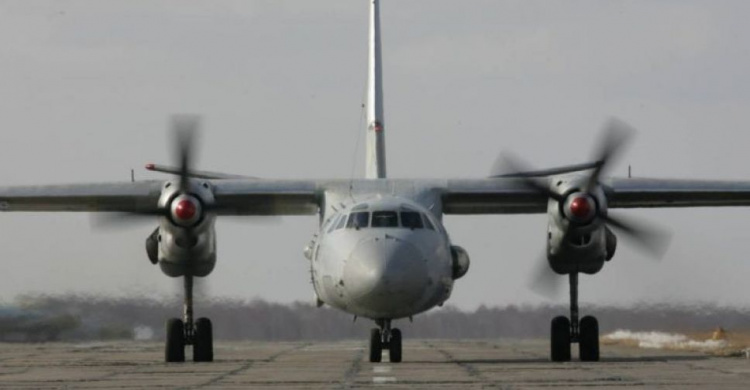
(382, 251)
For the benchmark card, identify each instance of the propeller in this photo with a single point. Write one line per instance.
(185, 129)
(580, 208)
(202, 288)
(614, 137)
(545, 281)
(184, 210)
(109, 221)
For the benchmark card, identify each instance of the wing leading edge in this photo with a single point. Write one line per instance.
(305, 197)
(510, 196)
(123, 197)
(233, 197)
(641, 193)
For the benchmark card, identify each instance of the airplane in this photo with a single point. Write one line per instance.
(382, 251)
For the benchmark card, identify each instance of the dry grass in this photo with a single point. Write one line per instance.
(736, 342)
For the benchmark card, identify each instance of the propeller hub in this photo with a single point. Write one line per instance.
(580, 208)
(186, 210)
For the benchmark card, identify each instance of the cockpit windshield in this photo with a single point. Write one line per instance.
(358, 220)
(341, 223)
(384, 219)
(411, 220)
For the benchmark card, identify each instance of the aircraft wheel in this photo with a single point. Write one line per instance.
(175, 348)
(394, 346)
(203, 342)
(589, 339)
(376, 346)
(560, 339)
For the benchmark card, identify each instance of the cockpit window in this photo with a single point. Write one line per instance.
(332, 223)
(341, 223)
(384, 219)
(411, 220)
(428, 223)
(358, 220)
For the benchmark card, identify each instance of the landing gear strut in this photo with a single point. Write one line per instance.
(384, 337)
(182, 332)
(567, 331)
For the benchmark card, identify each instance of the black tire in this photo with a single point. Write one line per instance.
(203, 341)
(560, 339)
(394, 346)
(174, 352)
(376, 346)
(588, 343)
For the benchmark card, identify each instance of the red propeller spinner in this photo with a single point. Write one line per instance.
(185, 210)
(580, 208)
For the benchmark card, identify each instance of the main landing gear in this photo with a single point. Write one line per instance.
(385, 338)
(182, 332)
(567, 331)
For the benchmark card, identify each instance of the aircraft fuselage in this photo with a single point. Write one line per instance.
(385, 258)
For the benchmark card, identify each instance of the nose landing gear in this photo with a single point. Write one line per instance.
(385, 338)
(567, 331)
(182, 332)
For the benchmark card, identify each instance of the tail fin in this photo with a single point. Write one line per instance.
(375, 164)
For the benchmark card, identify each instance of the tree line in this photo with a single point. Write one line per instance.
(73, 317)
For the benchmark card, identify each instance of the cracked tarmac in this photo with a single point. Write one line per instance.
(428, 364)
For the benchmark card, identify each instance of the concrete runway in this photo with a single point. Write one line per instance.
(428, 364)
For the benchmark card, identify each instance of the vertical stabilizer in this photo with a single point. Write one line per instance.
(375, 164)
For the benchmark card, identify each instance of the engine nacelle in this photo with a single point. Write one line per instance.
(577, 238)
(186, 238)
(460, 261)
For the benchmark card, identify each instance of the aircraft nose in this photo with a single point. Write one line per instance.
(384, 273)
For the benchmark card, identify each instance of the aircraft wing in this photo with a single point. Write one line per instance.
(139, 196)
(303, 197)
(638, 193)
(266, 197)
(233, 197)
(511, 196)
(491, 196)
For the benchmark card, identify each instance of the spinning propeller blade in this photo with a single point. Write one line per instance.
(615, 136)
(185, 129)
(514, 164)
(652, 240)
(121, 220)
(545, 281)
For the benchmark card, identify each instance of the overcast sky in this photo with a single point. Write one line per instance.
(86, 88)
